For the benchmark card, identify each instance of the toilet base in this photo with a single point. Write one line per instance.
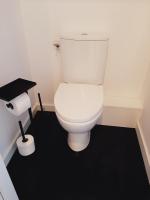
(78, 141)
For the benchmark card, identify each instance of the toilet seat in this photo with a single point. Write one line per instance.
(78, 103)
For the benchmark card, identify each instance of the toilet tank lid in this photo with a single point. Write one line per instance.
(84, 36)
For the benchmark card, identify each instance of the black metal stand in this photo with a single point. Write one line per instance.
(12, 90)
(31, 120)
(24, 139)
(30, 114)
(41, 106)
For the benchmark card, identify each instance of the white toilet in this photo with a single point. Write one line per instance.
(79, 99)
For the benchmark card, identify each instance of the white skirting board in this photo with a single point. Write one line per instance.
(120, 116)
(144, 149)
(112, 115)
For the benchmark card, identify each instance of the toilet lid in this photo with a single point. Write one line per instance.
(78, 102)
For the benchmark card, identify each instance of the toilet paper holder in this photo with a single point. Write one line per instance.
(9, 105)
(13, 90)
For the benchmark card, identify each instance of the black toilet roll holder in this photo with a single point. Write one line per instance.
(14, 89)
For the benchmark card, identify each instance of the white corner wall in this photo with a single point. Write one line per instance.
(143, 125)
(13, 64)
(127, 24)
(145, 117)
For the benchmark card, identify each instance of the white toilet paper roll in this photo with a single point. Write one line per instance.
(26, 148)
(20, 104)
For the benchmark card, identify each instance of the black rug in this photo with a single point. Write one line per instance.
(110, 168)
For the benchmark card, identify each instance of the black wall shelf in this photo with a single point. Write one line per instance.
(15, 88)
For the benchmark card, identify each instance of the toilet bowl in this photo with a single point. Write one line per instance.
(78, 108)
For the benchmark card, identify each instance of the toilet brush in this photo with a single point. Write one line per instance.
(24, 139)
(25, 143)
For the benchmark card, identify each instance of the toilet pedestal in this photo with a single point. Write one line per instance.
(78, 141)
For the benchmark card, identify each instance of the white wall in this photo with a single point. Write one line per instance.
(13, 64)
(127, 24)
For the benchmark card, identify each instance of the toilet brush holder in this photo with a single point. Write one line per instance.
(25, 143)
